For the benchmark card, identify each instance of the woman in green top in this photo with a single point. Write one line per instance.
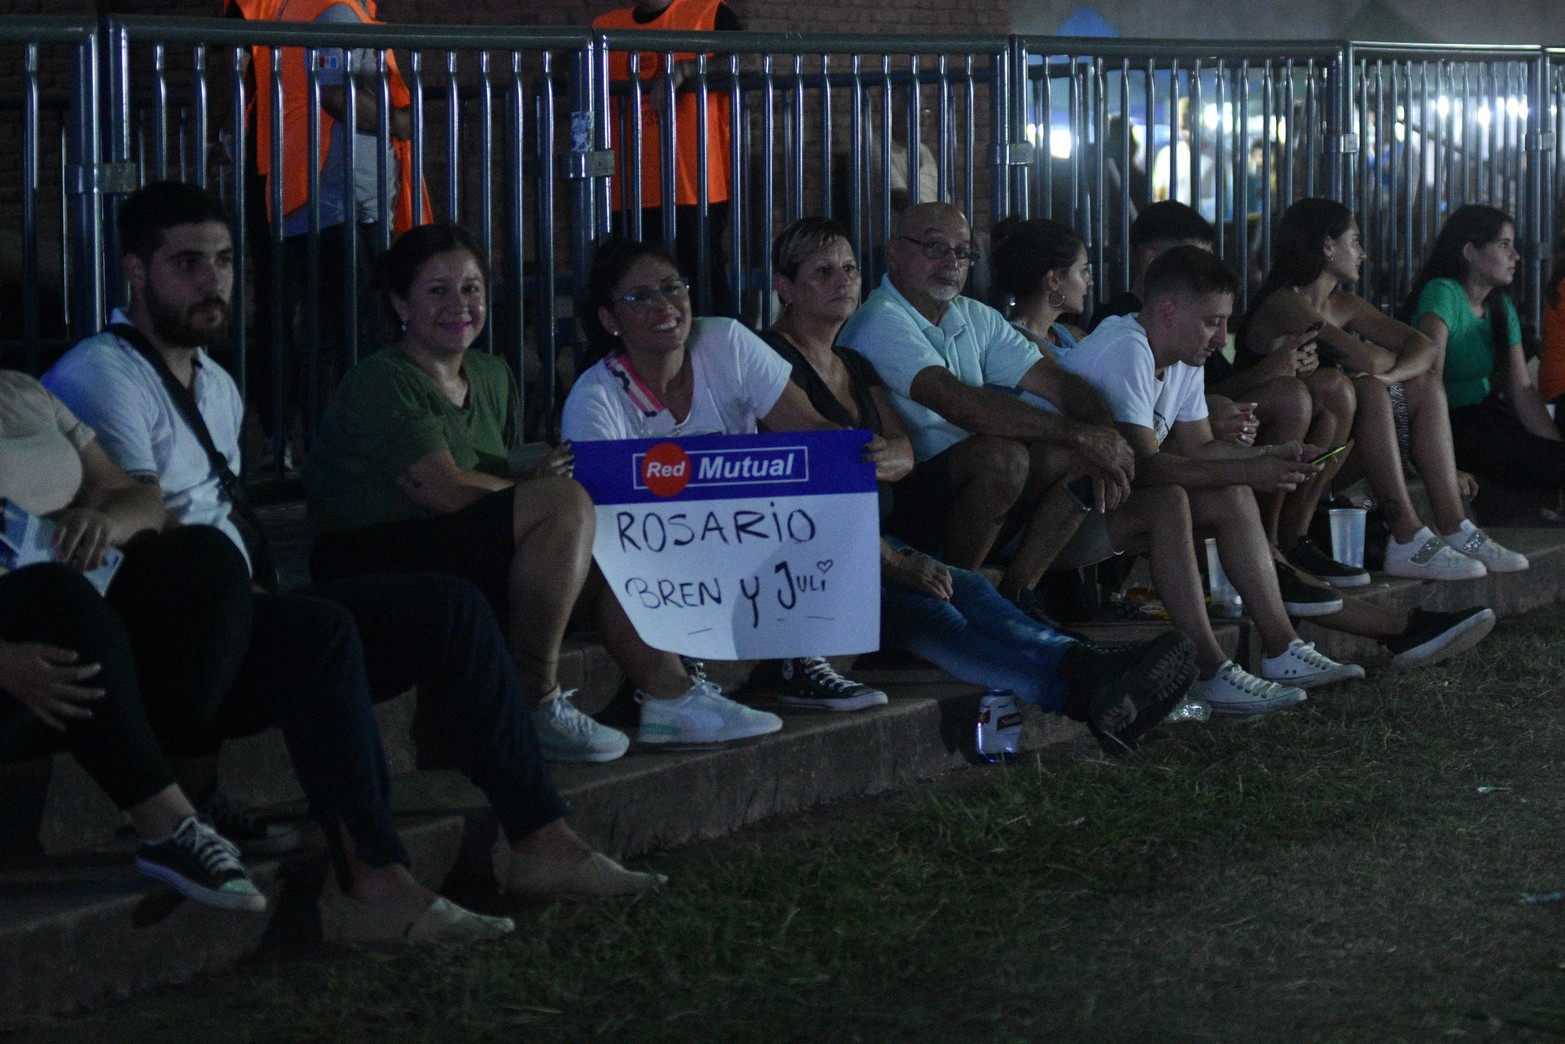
(411, 473)
(1499, 425)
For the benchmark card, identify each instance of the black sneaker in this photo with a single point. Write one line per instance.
(1122, 692)
(1303, 597)
(1430, 637)
(199, 863)
(1306, 556)
(812, 681)
(254, 836)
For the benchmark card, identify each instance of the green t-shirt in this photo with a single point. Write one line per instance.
(386, 415)
(1469, 347)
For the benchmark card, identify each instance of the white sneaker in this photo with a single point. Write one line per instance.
(566, 734)
(1475, 543)
(1302, 665)
(1426, 557)
(700, 717)
(1234, 690)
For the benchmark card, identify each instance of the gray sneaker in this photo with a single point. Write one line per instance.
(566, 734)
(1234, 690)
(703, 716)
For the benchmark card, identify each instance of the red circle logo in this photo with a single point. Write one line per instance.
(666, 469)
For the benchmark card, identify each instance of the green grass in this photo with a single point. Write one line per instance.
(1326, 874)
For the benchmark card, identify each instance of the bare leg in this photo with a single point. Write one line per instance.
(1334, 404)
(1429, 427)
(157, 816)
(554, 527)
(1247, 559)
(1161, 516)
(989, 473)
(1054, 520)
(1375, 438)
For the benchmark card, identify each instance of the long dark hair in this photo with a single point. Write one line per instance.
(1478, 225)
(1298, 250)
(1026, 251)
(615, 256)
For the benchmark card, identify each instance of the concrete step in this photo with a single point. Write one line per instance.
(84, 929)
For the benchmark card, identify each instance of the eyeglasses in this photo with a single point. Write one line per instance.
(674, 291)
(939, 250)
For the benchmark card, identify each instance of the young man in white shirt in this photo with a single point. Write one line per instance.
(1148, 368)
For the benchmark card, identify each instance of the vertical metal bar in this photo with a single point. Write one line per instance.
(1097, 230)
(383, 157)
(415, 84)
(160, 112)
(90, 241)
(240, 327)
(698, 128)
(997, 96)
(199, 114)
(882, 195)
(796, 146)
(279, 317)
(943, 172)
(1076, 122)
(914, 125)
(738, 181)
(768, 178)
(1174, 136)
(828, 188)
(486, 152)
(30, 161)
(1220, 132)
(454, 164)
(668, 140)
(857, 225)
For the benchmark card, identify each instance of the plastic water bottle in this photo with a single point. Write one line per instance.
(999, 726)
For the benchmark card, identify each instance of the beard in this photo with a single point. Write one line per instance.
(192, 327)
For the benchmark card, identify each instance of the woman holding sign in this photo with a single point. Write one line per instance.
(73, 665)
(413, 472)
(953, 617)
(660, 372)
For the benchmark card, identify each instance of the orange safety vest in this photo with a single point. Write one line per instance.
(680, 16)
(296, 94)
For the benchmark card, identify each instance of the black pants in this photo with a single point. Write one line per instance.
(170, 638)
(1492, 444)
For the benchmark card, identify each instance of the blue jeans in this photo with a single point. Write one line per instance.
(977, 636)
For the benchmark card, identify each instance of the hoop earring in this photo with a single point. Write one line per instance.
(1056, 298)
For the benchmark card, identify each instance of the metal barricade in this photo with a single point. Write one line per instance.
(819, 124)
(489, 122)
(525, 137)
(1437, 128)
(48, 262)
(1104, 127)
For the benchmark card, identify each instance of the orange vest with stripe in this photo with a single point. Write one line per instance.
(679, 16)
(296, 96)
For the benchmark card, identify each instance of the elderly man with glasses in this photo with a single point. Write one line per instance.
(991, 462)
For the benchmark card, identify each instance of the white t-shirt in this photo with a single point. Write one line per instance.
(973, 341)
(1117, 360)
(114, 390)
(738, 378)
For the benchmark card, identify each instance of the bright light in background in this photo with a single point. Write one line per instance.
(1443, 106)
(1209, 116)
(1484, 115)
(1061, 143)
(1516, 108)
(1282, 131)
(1032, 134)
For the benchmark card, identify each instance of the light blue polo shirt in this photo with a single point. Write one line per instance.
(972, 341)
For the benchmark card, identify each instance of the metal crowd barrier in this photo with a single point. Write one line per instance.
(512, 132)
(49, 285)
(816, 124)
(1104, 127)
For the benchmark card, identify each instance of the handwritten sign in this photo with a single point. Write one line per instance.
(740, 547)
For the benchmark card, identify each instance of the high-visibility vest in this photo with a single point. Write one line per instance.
(296, 97)
(680, 16)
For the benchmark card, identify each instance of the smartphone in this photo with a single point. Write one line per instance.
(1082, 492)
(1329, 454)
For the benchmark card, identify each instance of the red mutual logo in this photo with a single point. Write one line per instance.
(665, 470)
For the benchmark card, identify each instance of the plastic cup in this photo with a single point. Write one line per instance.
(1225, 600)
(1347, 535)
